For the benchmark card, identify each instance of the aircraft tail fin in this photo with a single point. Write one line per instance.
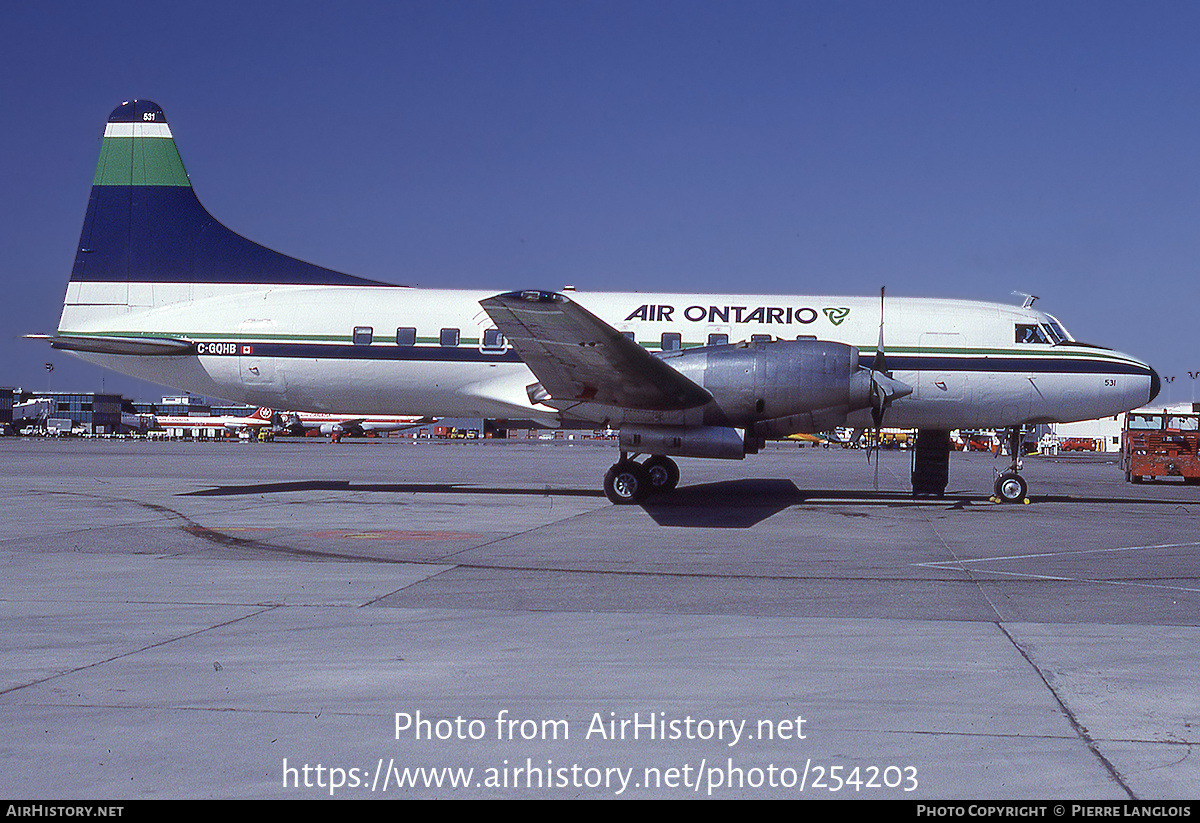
(145, 225)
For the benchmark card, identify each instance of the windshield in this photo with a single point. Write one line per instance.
(1145, 421)
(1056, 330)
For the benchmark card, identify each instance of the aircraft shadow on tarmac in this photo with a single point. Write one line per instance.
(734, 504)
(740, 504)
(392, 488)
(726, 504)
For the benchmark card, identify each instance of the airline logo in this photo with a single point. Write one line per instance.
(786, 315)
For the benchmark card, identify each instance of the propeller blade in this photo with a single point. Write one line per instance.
(880, 364)
(883, 389)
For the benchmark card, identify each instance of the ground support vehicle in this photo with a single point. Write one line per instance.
(1160, 444)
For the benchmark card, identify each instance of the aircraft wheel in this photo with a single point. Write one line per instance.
(626, 483)
(663, 473)
(1011, 488)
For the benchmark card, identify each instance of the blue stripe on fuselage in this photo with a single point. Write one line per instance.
(464, 354)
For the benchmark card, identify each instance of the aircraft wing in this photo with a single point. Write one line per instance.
(580, 358)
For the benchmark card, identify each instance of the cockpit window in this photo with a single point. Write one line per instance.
(1057, 330)
(1030, 333)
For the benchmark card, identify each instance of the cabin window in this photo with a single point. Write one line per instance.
(671, 341)
(493, 339)
(363, 335)
(448, 337)
(406, 336)
(628, 335)
(1030, 333)
(718, 340)
(760, 338)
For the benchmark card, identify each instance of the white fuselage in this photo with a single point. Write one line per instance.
(388, 350)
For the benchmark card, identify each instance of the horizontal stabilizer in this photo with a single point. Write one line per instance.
(146, 346)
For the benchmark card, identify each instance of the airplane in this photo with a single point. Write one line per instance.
(135, 422)
(353, 425)
(162, 291)
(818, 438)
(231, 423)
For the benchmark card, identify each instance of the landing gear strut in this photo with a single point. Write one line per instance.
(1010, 487)
(628, 481)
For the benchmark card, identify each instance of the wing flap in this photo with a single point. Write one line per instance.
(578, 357)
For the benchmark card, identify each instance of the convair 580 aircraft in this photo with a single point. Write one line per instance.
(162, 291)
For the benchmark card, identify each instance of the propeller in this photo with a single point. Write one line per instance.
(883, 389)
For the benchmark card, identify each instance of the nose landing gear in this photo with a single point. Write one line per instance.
(1010, 487)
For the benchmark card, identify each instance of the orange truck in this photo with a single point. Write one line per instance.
(1160, 444)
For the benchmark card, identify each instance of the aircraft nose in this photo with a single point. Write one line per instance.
(1155, 385)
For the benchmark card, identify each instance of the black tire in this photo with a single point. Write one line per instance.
(663, 473)
(626, 483)
(1011, 488)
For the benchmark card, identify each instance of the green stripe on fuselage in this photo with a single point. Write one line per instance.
(140, 161)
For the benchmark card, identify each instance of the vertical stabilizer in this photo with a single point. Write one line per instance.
(145, 225)
(138, 149)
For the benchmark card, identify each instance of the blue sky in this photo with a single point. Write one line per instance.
(936, 148)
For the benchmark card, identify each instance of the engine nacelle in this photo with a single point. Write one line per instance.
(331, 428)
(685, 441)
(780, 387)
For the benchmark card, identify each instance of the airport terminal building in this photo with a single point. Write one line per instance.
(66, 411)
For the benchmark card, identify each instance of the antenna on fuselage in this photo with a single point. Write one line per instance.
(1029, 298)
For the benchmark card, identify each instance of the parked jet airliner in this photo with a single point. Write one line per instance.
(354, 425)
(160, 290)
(259, 419)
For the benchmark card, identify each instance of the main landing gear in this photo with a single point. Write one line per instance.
(1010, 487)
(629, 481)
